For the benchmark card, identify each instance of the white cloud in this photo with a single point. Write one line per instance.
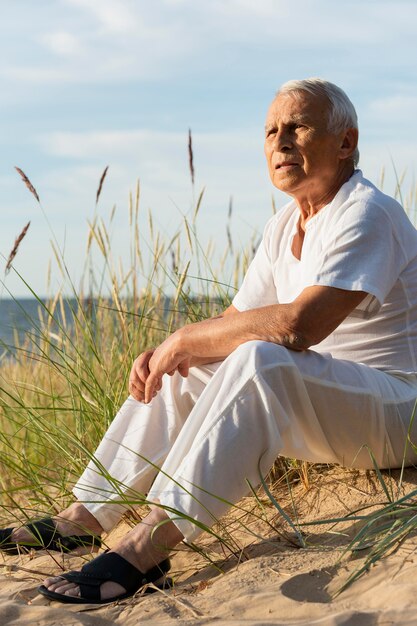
(115, 16)
(62, 43)
(160, 159)
(107, 143)
(33, 74)
(130, 40)
(103, 41)
(395, 107)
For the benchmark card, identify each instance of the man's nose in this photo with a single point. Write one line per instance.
(283, 139)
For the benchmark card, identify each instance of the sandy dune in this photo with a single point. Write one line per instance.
(269, 581)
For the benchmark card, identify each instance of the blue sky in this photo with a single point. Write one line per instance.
(90, 83)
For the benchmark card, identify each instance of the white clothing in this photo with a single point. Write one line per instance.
(361, 241)
(203, 438)
(227, 422)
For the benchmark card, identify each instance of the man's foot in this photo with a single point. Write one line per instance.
(143, 547)
(75, 520)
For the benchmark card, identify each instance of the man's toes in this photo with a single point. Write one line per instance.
(21, 535)
(49, 582)
(65, 588)
(73, 591)
(68, 590)
(57, 584)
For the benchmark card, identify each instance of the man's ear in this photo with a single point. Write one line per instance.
(349, 143)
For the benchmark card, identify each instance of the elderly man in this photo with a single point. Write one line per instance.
(337, 272)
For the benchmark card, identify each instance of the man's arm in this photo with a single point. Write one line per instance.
(203, 360)
(306, 321)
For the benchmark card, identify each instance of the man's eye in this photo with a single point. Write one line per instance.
(270, 131)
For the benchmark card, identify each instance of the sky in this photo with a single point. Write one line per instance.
(86, 84)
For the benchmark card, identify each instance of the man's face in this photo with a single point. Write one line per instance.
(304, 159)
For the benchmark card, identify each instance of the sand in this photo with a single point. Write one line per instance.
(268, 580)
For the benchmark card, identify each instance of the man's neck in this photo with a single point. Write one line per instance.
(312, 203)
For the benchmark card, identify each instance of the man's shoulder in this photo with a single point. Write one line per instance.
(369, 212)
(364, 192)
(359, 199)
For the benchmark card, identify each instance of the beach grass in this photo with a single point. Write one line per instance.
(61, 386)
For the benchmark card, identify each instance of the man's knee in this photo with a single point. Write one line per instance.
(261, 354)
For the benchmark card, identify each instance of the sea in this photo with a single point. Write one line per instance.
(18, 319)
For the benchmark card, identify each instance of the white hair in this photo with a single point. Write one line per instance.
(342, 114)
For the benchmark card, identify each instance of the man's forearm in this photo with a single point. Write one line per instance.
(214, 339)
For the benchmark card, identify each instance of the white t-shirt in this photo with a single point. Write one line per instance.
(361, 241)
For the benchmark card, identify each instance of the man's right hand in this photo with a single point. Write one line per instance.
(169, 358)
(139, 374)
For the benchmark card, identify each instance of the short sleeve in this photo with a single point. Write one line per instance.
(362, 255)
(258, 287)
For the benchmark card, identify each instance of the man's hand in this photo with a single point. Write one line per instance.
(139, 374)
(145, 378)
(166, 359)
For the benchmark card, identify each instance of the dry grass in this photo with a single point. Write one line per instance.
(15, 248)
(100, 185)
(191, 156)
(27, 183)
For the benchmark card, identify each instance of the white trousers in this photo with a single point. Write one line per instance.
(202, 438)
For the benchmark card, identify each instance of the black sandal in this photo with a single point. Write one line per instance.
(46, 536)
(108, 567)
